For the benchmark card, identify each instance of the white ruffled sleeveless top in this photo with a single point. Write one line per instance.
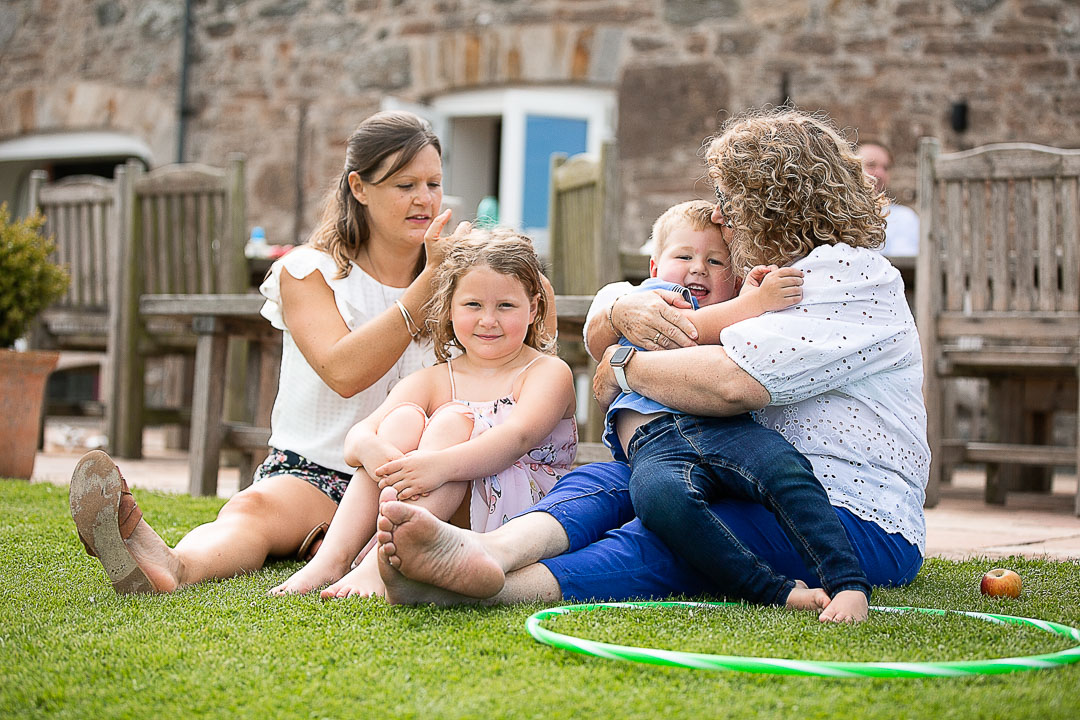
(309, 418)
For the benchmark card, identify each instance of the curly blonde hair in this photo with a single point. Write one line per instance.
(792, 183)
(344, 229)
(507, 253)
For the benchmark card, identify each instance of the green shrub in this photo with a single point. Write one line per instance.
(29, 279)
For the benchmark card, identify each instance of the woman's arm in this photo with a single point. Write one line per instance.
(545, 398)
(699, 380)
(350, 361)
(639, 317)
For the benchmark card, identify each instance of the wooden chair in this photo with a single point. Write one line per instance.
(80, 213)
(177, 229)
(998, 298)
(584, 251)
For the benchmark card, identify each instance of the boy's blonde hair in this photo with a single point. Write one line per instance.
(695, 214)
(792, 183)
(507, 253)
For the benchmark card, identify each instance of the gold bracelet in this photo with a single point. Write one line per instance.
(410, 326)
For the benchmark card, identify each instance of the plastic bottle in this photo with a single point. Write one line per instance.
(256, 245)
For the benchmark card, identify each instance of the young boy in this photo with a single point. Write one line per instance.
(690, 256)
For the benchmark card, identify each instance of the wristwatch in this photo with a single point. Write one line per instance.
(618, 363)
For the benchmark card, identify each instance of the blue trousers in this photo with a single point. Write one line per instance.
(680, 463)
(612, 556)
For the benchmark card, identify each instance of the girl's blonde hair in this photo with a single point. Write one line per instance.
(507, 253)
(792, 183)
(344, 229)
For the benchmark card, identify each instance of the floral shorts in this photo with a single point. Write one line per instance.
(331, 483)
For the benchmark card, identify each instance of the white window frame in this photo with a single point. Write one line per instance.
(514, 105)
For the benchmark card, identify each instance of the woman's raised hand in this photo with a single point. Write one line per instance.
(436, 245)
(656, 320)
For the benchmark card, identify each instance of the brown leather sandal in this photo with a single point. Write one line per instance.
(308, 546)
(106, 514)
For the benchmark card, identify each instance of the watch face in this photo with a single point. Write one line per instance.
(620, 356)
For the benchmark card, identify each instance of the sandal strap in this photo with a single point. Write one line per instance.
(128, 514)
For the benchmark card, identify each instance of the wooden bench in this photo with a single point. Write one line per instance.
(998, 298)
(217, 319)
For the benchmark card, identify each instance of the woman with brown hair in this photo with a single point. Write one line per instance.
(349, 305)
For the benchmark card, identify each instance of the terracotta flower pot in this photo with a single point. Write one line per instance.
(22, 390)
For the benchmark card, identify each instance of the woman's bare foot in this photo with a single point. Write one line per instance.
(400, 590)
(320, 571)
(847, 606)
(104, 512)
(805, 598)
(425, 549)
(362, 581)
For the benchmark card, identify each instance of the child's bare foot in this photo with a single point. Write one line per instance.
(425, 549)
(321, 570)
(804, 598)
(362, 581)
(111, 527)
(847, 606)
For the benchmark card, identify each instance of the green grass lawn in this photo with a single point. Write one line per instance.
(69, 647)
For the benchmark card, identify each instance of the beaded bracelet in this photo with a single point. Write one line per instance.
(410, 326)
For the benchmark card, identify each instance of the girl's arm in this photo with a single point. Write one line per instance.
(546, 397)
(766, 288)
(350, 361)
(363, 447)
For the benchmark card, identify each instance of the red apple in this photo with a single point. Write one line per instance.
(1000, 582)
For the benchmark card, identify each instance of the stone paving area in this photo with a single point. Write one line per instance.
(961, 526)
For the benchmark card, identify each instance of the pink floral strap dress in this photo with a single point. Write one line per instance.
(495, 499)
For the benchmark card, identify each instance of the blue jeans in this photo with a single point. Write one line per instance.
(681, 463)
(612, 556)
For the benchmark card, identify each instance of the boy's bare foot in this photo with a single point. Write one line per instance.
(425, 549)
(362, 581)
(804, 598)
(847, 606)
(111, 527)
(320, 571)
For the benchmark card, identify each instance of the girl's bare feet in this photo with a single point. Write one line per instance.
(425, 549)
(362, 581)
(321, 570)
(847, 606)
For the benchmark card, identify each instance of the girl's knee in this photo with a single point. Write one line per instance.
(449, 425)
(403, 426)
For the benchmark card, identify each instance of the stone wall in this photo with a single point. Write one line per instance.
(284, 81)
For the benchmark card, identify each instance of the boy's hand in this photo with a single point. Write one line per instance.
(413, 475)
(773, 288)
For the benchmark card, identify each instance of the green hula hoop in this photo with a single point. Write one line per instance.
(788, 666)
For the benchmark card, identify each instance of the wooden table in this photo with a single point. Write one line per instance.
(219, 321)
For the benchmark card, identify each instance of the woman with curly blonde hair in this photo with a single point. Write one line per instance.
(838, 376)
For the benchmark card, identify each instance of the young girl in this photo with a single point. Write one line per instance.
(494, 418)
